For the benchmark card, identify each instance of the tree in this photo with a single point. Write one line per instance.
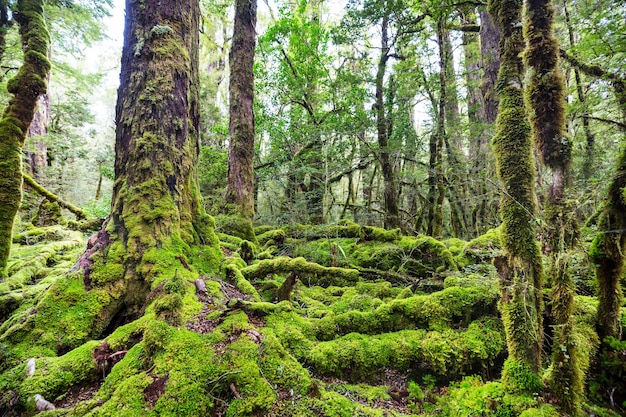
(240, 188)
(157, 221)
(26, 87)
(545, 94)
(520, 269)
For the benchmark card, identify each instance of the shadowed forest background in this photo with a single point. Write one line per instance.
(370, 208)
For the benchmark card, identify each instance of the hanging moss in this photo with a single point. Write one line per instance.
(545, 90)
(26, 87)
(521, 268)
(607, 253)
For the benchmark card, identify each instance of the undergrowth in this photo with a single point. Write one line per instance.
(365, 323)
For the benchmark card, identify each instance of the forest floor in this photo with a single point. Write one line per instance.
(340, 320)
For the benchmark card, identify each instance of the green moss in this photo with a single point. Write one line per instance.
(309, 272)
(435, 311)
(473, 397)
(67, 316)
(236, 226)
(520, 378)
(380, 234)
(357, 356)
(54, 376)
(271, 237)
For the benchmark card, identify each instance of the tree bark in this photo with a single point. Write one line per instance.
(546, 98)
(240, 188)
(26, 87)
(392, 214)
(482, 73)
(437, 188)
(521, 269)
(157, 220)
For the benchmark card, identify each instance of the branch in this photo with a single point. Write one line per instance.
(590, 69)
(466, 28)
(80, 214)
(364, 163)
(609, 121)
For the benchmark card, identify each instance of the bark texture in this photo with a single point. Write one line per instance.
(157, 217)
(240, 189)
(545, 94)
(26, 87)
(392, 214)
(521, 269)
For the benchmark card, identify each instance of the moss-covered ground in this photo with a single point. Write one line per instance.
(306, 321)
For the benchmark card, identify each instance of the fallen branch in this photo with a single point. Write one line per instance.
(80, 214)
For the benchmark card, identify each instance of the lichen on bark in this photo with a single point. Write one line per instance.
(26, 87)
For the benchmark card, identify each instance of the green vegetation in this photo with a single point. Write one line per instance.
(259, 282)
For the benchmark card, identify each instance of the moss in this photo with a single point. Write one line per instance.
(418, 256)
(280, 367)
(359, 357)
(520, 378)
(235, 275)
(240, 227)
(435, 311)
(54, 376)
(309, 272)
(26, 87)
(67, 316)
(272, 237)
(545, 89)
(473, 397)
(482, 249)
(380, 234)
(521, 268)
(343, 229)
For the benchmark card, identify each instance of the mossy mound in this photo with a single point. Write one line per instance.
(348, 339)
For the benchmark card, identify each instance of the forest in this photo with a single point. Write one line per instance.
(309, 208)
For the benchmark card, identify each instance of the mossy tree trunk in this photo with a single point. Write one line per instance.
(521, 269)
(392, 213)
(240, 188)
(26, 87)
(157, 222)
(608, 246)
(545, 93)
(436, 184)
(607, 253)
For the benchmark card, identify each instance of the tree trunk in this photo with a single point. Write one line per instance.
(26, 87)
(588, 162)
(157, 221)
(240, 188)
(38, 156)
(482, 72)
(392, 214)
(437, 189)
(546, 98)
(521, 269)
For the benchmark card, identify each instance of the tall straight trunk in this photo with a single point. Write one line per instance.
(546, 99)
(453, 139)
(481, 64)
(26, 87)
(38, 156)
(392, 214)
(437, 189)
(240, 179)
(157, 220)
(520, 270)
